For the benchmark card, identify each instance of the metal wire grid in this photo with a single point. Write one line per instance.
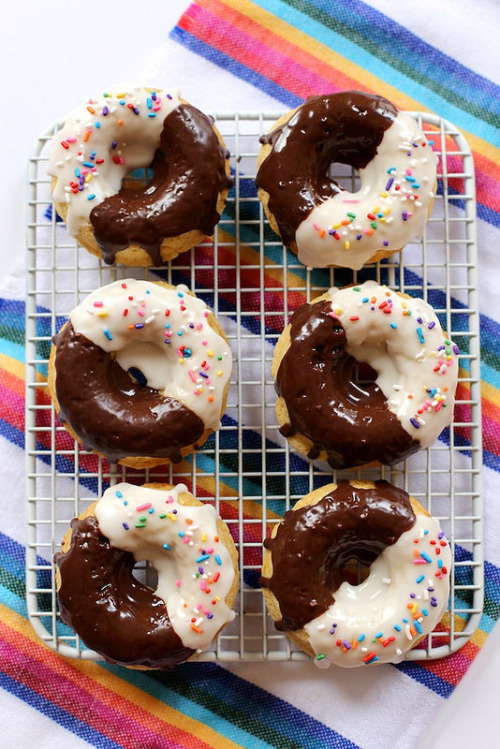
(247, 469)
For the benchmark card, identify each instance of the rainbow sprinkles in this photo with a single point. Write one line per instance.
(390, 208)
(101, 142)
(164, 336)
(402, 340)
(400, 602)
(195, 570)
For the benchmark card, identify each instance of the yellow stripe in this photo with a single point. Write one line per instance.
(121, 688)
(490, 393)
(328, 56)
(479, 638)
(17, 368)
(12, 366)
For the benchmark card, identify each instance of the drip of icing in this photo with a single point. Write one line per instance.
(195, 570)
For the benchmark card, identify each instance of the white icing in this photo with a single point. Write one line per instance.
(178, 540)
(417, 365)
(195, 375)
(403, 156)
(95, 148)
(368, 615)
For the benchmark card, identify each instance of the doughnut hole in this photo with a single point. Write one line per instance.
(138, 376)
(138, 178)
(346, 177)
(146, 574)
(146, 362)
(349, 562)
(364, 375)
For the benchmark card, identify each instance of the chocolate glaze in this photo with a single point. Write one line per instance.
(114, 614)
(189, 173)
(316, 378)
(110, 412)
(345, 128)
(314, 543)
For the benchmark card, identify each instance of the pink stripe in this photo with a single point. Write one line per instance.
(490, 430)
(75, 701)
(12, 400)
(451, 669)
(259, 56)
(488, 189)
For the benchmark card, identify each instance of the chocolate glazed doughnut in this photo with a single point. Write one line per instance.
(113, 612)
(348, 422)
(321, 221)
(314, 594)
(345, 128)
(189, 169)
(315, 543)
(130, 132)
(117, 417)
(140, 372)
(122, 618)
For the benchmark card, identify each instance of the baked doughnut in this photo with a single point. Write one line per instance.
(306, 583)
(318, 219)
(140, 372)
(120, 617)
(323, 408)
(122, 130)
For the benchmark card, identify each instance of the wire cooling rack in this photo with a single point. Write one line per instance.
(247, 469)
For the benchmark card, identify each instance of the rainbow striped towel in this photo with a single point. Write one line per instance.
(271, 55)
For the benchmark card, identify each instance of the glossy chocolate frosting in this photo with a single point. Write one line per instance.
(317, 379)
(343, 128)
(110, 412)
(189, 169)
(314, 543)
(114, 614)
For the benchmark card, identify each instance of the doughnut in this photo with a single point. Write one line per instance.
(310, 590)
(325, 224)
(133, 128)
(140, 372)
(324, 409)
(116, 614)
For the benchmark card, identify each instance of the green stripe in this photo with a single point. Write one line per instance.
(15, 336)
(12, 583)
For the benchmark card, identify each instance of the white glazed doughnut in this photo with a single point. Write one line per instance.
(324, 224)
(179, 363)
(126, 129)
(322, 408)
(306, 573)
(192, 553)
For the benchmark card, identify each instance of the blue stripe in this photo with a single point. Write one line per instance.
(55, 713)
(427, 678)
(241, 696)
(491, 460)
(379, 68)
(488, 214)
(13, 350)
(234, 67)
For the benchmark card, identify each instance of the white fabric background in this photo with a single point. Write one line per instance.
(50, 64)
